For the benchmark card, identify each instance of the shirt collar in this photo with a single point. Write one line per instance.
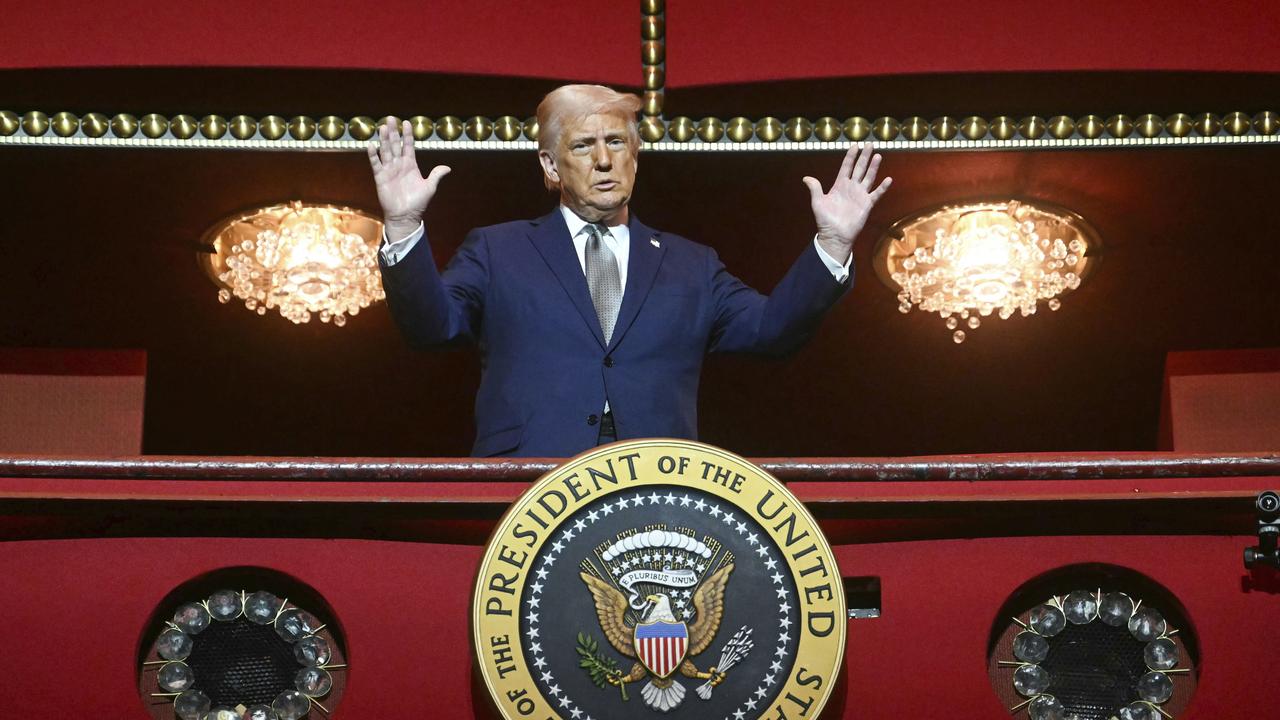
(576, 224)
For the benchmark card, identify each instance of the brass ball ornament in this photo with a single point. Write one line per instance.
(35, 123)
(362, 127)
(654, 77)
(710, 129)
(479, 128)
(885, 128)
(421, 126)
(1208, 124)
(1236, 123)
(332, 127)
(682, 129)
(973, 127)
(449, 128)
(183, 127)
(768, 129)
(1061, 127)
(1150, 125)
(243, 127)
(1266, 123)
(65, 124)
(739, 129)
(944, 128)
(651, 129)
(798, 129)
(273, 127)
(652, 52)
(531, 128)
(915, 128)
(1091, 126)
(154, 125)
(124, 125)
(302, 128)
(652, 27)
(1003, 128)
(507, 128)
(95, 125)
(827, 129)
(856, 128)
(1179, 124)
(1032, 127)
(652, 103)
(651, 7)
(1120, 126)
(9, 123)
(213, 126)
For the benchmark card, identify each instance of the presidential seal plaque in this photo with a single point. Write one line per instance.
(658, 578)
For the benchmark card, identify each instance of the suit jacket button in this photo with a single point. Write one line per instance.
(608, 361)
(593, 419)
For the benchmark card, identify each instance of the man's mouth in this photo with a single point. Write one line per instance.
(605, 185)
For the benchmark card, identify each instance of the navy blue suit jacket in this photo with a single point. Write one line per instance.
(518, 291)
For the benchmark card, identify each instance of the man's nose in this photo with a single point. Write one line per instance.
(603, 159)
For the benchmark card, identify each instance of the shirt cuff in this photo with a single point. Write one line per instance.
(394, 252)
(838, 271)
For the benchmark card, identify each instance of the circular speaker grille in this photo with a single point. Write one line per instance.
(213, 645)
(1091, 641)
(242, 662)
(1094, 669)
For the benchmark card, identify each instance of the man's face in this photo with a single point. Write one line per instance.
(595, 166)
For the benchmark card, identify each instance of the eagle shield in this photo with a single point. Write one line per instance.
(661, 646)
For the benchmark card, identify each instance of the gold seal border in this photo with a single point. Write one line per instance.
(499, 649)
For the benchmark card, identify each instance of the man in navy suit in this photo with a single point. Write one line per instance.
(592, 326)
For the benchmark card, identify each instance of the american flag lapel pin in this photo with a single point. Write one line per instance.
(654, 241)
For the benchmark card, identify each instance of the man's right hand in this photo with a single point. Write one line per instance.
(402, 191)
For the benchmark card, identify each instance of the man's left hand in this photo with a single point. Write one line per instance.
(841, 213)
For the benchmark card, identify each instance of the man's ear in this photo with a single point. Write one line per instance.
(549, 166)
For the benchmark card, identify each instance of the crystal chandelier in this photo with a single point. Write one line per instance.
(967, 262)
(302, 259)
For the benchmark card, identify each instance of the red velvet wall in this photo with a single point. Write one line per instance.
(76, 604)
(708, 41)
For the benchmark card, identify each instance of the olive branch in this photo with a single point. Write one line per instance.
(601, 669)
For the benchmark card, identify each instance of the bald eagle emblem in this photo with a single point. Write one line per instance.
(659, 597)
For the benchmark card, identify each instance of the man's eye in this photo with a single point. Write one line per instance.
(617, 144)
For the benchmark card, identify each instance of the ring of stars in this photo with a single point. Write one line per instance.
(776, 670)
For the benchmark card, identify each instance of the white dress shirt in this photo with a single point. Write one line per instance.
(618, 239)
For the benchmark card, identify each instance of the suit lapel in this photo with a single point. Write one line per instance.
(550, 236)
(642, 267)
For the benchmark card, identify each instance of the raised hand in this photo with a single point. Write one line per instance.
(842, 212)
(402, 191)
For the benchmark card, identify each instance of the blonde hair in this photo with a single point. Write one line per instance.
(569, 103)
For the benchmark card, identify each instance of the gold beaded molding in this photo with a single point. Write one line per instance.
(680, 134)
(653, 59)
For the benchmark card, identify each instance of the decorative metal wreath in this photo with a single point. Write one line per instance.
(1057, 654)
(237, 618)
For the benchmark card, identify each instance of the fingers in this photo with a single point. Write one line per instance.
(846, 165)
(884, 185)
(394, 141)
(437, 172)
(406, 132)
(384, 145)
(374, 161)
(815, 187)
(872, 168)
(860, 167)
